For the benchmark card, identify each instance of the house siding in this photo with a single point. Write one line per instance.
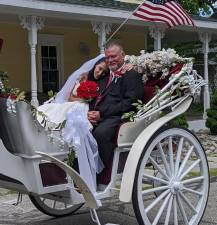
(80, 43)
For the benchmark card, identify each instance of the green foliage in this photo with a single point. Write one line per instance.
(51, 94)
(71, 157)
(211, 121)
(179, 121)
(193, 6)
(7, 90)
(130, 115)
(5, 82)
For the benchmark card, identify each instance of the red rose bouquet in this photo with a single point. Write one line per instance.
(88, 90)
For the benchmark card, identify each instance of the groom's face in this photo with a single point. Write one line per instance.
(114, 57)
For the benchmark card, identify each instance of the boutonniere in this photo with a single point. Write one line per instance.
(117, 75)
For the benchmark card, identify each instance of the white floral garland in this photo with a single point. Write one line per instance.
(180, 85)
(151, 64)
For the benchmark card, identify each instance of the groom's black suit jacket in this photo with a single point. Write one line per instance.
(115, 99)
(118, 97)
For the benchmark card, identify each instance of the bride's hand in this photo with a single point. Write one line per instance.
(94, 116)
(126, 67)
(73, 98)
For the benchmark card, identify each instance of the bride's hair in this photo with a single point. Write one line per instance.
(91, 72)
(64, 93)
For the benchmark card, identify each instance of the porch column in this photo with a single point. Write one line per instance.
(33, 24)
(102, 29)
(205, 38)
(157, 33)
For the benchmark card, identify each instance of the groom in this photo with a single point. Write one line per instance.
(118, 91)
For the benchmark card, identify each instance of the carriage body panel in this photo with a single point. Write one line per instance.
(129, 131)
(21, 133)
(21, 137)
(139, 145)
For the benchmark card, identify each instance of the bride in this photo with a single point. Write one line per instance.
(72, 109)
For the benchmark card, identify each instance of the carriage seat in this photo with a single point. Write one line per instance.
(21, 134)
(129, 131)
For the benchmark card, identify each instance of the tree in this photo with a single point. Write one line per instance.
(193, 6)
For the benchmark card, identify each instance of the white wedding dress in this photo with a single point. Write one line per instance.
(77, 130)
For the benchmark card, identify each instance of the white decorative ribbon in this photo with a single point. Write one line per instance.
(77, 134)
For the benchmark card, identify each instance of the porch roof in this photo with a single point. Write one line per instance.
(112, 4)
(111, 11)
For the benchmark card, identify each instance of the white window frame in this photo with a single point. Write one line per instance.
(51, 40)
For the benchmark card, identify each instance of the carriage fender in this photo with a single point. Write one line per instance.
(138, 147)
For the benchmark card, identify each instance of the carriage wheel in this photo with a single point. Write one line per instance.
(53, 207)
(175, 189)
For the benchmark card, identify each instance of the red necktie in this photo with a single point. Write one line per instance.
(110, 79)
(108, 83)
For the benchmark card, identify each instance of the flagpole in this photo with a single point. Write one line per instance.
(115, 32)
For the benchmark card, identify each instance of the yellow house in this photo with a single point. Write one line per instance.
(45, 40)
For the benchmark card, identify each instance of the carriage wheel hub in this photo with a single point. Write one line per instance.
(176, 186)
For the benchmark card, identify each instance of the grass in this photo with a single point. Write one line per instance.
(212, 172)
(9, 192)
(212, 155)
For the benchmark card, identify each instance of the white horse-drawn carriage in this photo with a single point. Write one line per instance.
(165, 176)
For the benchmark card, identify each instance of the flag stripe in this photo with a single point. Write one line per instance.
(179, 14)
(152, 19)
(163, 8)
(169, 12)
(159, 11)
(181, 21)
(189, 21)
(189, 18)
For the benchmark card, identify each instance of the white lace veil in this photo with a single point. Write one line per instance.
(64, 93)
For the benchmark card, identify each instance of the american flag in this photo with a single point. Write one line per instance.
(166, 11)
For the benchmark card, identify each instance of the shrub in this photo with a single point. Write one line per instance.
(211, 121)
(179, 121)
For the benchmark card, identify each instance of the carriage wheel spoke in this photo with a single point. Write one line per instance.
(54, 204)
(157, 200)
(175, 211)
(167, 219)
(161, 210)
(164, 159)
(156, 179)
(149, 191)
(190, 168)
(186, 200)
(192, 191)
(185, 160)
(193, 180)
(171, 155)
(158, 168)
(182, 210)
(178, 156)
(174, 190)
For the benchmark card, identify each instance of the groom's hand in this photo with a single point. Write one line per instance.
(93, 116)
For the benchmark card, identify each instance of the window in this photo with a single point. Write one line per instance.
(50, 61)
(50, 73)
